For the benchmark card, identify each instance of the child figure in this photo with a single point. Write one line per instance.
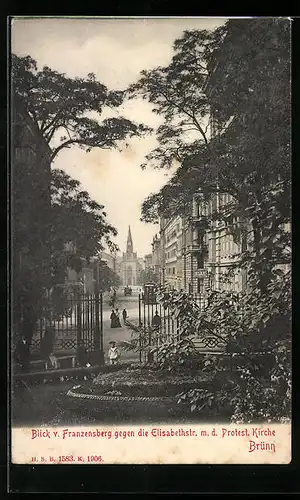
(113, 354)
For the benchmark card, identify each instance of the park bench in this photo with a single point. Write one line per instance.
(42, 363)
(58, 374)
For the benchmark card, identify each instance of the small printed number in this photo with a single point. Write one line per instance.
(95, 458)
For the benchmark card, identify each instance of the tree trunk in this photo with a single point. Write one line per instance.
(29, 321)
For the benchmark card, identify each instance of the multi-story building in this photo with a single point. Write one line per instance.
(216, 251)
(156, 255)
(197, 251)
(171, 262)
(205, 254)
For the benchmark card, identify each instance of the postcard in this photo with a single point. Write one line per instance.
(151, 240)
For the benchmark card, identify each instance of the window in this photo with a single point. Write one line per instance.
(214, 203)
(199, 285)
(213, 250)
(173, 270)
(200, 261)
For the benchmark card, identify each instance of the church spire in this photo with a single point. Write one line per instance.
(129, 248)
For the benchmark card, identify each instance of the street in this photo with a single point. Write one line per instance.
(123, 333)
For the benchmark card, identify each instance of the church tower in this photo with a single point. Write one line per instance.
(129, 248)
(129, 265)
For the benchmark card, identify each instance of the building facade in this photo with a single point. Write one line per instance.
(171, 262)
(156, 255)
(198, 252)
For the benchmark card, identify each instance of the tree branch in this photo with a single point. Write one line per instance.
(65, 144)
(191, 115)
(199, 128)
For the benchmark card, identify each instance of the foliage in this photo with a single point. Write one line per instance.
(78, 225)
(251, 381)
(106, 277)
(73, 230)
(177, 93)
(247, 90)
(167, 354)
(65, 112)
(248, 398)
(240, 75)
(256, 328)
(68, 111)
(148, 276)
(176, 355)
(142, 338)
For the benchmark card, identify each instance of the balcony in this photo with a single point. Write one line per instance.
(200, 222)
(198, 248)
(202, 273)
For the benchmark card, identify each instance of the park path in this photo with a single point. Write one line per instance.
(123, 333)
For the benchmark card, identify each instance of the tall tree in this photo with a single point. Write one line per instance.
(239, 74)
(177, 93)
(106, 277)
(247, 91)
(76, 222)
(148, 276)
(68, 110)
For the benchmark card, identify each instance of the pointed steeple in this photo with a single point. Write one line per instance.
(129, 248)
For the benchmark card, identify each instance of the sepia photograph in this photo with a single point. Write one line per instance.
(150, 188)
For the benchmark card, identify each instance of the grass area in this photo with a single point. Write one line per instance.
(49, 404)
(146, 382)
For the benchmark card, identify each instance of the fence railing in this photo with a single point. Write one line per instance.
(163, 327)
(76, 322)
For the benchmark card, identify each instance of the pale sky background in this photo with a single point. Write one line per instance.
(116, 50)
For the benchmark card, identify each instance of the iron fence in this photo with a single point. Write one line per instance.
(163, 327)
(77, 323)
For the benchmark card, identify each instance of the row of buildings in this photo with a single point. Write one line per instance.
(189, 256)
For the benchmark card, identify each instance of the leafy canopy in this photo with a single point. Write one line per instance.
(177, 94)
(238, 77)
(76, 222)
(68, 110)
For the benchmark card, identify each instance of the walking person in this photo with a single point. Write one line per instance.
(113, 354)
(156, 321)
(118, 322)
(113, 319)
(125, 315)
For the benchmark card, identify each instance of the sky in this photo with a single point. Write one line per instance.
(115, 50)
